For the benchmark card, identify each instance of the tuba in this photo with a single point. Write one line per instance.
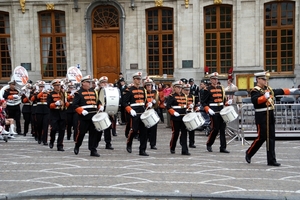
(20, 76)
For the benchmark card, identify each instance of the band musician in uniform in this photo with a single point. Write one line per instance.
(12, 97)
(152, 96)
(57, 103)
(213, 101)
(176, 106)
(103, 81)
(134, 101)
(86, 106)
(42, 113)
(262, 97)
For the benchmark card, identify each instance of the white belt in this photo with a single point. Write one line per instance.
(89, 106)
(137, 104)
(177, 107)
(34, 104)
(44, 103)
(263, 109)
(216, 104)
(26, 104)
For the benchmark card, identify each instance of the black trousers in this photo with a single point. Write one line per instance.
(72, 119)
(57, 125)
(152, 135)
(177, 127)
(85, 126)
(261, 125)
(27, 121)
(15, 113)
(217, 125)
(42, 127)
(138, 127)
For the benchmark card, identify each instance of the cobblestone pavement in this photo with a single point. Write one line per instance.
(33, 171)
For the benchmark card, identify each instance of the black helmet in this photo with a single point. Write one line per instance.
(191, 80)
(184, 80)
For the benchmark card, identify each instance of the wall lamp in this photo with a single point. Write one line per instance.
(132, 5)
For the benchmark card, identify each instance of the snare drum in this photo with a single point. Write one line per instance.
(193, 120)
(228, 114)
(110, 97)
(101, 121)
(150, 118)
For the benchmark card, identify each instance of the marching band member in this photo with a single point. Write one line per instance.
(42, 113)
(86, 106)
(26, 108)
(11, 95)
(122, 88)
(57, 104)
(127, 115)
(33, 120)
(134, 101)
(103, 81)
(152, 96)
(262, 97)
(176, 106)
(213, 101)
(71, 114)
(191, 99)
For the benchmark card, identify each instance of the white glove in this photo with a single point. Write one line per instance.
(15, 96)
(101, 108)
(84, 112)
(229, 101)
(153, 101)
(149, 105)
(191, 106)
(176, 114)
(267, 95)
(211, 112)
(44, 90)
(165, 104)
(293, 90)
(133, 113)
(58, 103)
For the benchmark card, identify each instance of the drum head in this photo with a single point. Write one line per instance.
(226, 110)
(188, 117)
(100, 116)
(147, 113)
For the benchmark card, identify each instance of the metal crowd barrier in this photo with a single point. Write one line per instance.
(287, 118)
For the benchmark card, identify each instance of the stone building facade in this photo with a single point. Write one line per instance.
(126, 41)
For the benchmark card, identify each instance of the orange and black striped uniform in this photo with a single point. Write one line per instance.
(86, 100)
(214, 98)
(42, 116)
(135, 98)
(71, 117)
(57, 117)
(178, 103)
(152, 131)
(261, 104)
(13, 109)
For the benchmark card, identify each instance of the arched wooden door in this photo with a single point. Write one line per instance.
(106, 42)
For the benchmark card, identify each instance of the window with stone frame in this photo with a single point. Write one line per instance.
(160, 41)
(218, 38)
(53, 47)
(5, 51)
(279, 35)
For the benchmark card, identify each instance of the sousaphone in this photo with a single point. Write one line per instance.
(20, 76)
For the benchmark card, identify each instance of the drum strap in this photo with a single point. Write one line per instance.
(96, 94)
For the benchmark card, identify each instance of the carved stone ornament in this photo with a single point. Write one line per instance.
(218, 2)
(159, 3)
(186, 2)
(22, 4)
(50, 6)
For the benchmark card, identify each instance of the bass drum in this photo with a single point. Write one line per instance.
(110, 98)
